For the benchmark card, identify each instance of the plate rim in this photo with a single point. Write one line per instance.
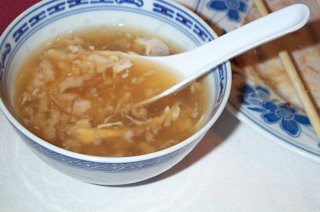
(240, 114)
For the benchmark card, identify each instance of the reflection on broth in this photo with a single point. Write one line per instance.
(76, 98)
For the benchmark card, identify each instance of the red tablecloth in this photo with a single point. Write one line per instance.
(10, 9)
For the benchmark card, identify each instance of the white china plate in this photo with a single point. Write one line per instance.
(252, 100)
(254, 103)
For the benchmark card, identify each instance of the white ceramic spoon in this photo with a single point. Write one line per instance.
(197, 62)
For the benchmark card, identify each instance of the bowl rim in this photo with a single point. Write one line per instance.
(125, 159)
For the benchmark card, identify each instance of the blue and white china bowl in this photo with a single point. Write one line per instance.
(48, 19)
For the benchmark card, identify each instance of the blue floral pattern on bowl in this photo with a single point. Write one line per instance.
(100, 166)
(233, 8)
(272, 112)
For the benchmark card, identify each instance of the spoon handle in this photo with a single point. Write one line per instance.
(242, 39)
(197, 62)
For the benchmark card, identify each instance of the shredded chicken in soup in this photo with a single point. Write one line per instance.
(74, 95)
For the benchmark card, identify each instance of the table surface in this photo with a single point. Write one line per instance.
(232, 169)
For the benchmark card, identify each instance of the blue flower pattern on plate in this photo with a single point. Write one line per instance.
(233, 8)
(253, 96)
(257, 99)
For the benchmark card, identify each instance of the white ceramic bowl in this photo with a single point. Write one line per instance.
(48, 19)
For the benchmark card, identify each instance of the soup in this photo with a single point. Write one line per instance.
(77, 95)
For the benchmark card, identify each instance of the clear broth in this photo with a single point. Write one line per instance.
(64, 96)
